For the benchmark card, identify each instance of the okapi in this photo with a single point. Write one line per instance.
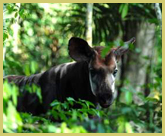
(91, 77)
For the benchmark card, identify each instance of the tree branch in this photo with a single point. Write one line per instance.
(159, 15)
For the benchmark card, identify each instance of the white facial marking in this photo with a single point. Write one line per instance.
(113, 84)
(110, 82)
(93, 86)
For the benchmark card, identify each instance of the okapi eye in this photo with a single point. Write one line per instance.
(115, 72)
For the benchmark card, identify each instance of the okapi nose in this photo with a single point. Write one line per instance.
(106, 97)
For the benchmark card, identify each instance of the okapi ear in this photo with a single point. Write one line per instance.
(132, 40)
(122, 49)
(79, 50)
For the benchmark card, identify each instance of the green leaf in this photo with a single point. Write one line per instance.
(151, 99)
(121, 124)
(74, 115)
(105, 51)
(6, 90)
(125, 110)
(100, 128)
(128, 127)
(52, 129)
(33, 67)
(121, 8)
(5, 36)
(38, 92)
(128, 97)
(16, 14)
(106, 121)
(90, 104)
(124, 11)
(65, 105)
(70, 99)
(14, 95)
(21, 12)
(82, 104)
(55, 103)
(27, 69)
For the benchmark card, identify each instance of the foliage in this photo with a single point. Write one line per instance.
(109, 20)
(128, 117)
(12, 121)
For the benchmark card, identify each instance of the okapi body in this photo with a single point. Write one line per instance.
(90, 77)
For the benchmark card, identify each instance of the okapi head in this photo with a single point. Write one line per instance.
(102, 71)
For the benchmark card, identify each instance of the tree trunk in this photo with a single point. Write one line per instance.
(137, 62)
(89, 23)
(15, 28)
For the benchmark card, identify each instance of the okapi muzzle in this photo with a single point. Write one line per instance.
(91, 77)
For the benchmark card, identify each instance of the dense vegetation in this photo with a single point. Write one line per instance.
(35, 38)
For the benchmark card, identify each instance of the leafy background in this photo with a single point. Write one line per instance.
(35, 38)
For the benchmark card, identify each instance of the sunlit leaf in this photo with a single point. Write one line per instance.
(52, 129)
(128, 127)
(128, 97)
(5, 36)
(14, 95)
(70, 99)
(54, 103)
(124, 11)
(33, 67)
(105, 51)
(21, 12)
(27, 69)
(121, 124)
